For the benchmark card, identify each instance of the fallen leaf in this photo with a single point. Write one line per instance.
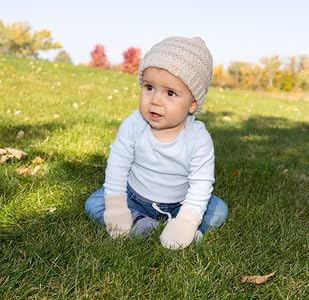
(236, 173)
(24, 170)
(20, 134)
(35, 170)
(257, 279)
(16, 153)
(38, 160)
(4, 158)
(28, 170)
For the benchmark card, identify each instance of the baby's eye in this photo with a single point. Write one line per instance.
(171, 93)
(148, 87)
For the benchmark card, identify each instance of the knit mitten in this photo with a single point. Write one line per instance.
(179, 232)
(117, 216)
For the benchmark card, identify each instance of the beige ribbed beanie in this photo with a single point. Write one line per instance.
(186, 58)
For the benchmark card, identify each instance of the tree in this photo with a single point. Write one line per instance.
(99, 58)
(271, 67)
(4, 42)
(250, 75)
(132, 59)
(222, 78)
(234, 70)
(217, 75)
(302, 80)
(63, 57)
(17, 38)
(286, 78)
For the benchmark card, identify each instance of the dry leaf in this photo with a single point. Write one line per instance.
(257, 279)
(8, 153)
(24, 170)
(16, 153)
(38, 160)
(28, 170)
(20, 134)
(236, 173)
(35, 170)
(4, 158)
(2, 151)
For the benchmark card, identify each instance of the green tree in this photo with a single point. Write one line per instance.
(63, 57)
(286, 78)
(17, 38)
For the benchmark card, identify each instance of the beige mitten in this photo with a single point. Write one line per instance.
(117, 216)
(179, 232)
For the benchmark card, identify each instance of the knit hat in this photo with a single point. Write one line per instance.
(186, 58)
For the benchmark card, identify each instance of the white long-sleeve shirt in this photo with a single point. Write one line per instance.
(181, 170)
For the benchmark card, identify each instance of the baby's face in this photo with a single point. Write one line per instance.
(165, 100)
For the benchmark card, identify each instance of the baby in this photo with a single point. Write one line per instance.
(161, 163)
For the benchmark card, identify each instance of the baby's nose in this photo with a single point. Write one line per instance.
(157, 99)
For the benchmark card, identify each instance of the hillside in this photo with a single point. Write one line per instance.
(68, 116)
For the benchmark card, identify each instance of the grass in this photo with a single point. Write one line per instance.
(49, 249)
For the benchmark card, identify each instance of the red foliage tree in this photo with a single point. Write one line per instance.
(99, 58)
(132, 59)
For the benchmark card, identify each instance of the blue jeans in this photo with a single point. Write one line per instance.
(214, 217)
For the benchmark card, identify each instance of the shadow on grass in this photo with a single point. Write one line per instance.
(38, 132)
(61, 170)
(259, 159)
(266, 142)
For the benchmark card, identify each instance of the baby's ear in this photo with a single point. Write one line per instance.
(193, 107)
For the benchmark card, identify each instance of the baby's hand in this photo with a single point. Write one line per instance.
(117, 216)
(179, 232)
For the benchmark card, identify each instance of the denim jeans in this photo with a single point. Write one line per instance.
(215, 215)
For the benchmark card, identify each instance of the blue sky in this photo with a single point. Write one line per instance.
(233, 30)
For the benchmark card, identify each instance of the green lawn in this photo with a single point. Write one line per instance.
(49, 249)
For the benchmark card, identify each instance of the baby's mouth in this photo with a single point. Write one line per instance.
(155, 116)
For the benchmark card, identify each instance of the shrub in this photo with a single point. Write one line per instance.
(132, 59)
(63, 57)
(99, 58)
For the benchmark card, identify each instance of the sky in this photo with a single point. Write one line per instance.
(238, 30)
